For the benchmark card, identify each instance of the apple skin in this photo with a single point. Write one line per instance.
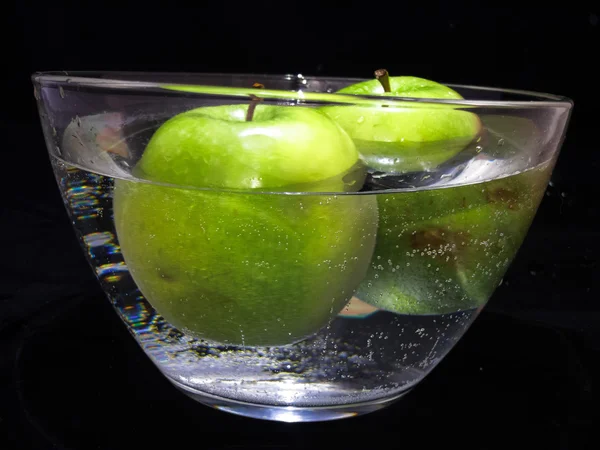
(399, 139)
(403, 86)
(215, 147)
(241, 266)
(446, 250)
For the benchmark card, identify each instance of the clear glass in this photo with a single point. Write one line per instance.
(296, 301)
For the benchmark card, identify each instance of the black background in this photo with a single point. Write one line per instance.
(526, 372)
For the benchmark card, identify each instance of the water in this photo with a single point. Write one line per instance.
(416, 266)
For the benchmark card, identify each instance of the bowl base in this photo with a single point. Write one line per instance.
(288, 414)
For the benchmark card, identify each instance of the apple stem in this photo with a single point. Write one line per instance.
(383, 77)
(253, 102)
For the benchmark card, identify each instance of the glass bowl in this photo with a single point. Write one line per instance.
(288, 251)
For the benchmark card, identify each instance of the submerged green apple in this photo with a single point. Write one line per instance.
(397, 139)
(429, 257)
(235, 264)
(445, 250)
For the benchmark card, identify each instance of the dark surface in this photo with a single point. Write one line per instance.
(525, 373)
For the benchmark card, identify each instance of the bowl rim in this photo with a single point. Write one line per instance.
(116, 80)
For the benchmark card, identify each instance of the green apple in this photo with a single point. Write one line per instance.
(446, 250)
(410, 137)
(216, 147)
(251, 261)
